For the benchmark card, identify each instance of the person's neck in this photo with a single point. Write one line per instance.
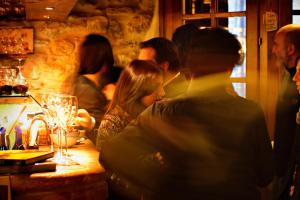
(292, 61)
(208, 82)
(95, 78)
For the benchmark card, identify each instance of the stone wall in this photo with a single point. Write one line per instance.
(54, 62)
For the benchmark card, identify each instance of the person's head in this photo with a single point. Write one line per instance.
(95, 53)
(140, 84)
(162, 51)
(182, 38)
(286, 47)
(213, 50)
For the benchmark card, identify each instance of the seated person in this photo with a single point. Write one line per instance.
(140, 84)
(95, 57)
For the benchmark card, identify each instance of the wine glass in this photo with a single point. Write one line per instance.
(65, 111)
(61, 111)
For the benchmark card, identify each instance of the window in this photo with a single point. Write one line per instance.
(230, 14)
(296, 12)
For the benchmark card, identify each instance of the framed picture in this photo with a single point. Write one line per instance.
(16, 40)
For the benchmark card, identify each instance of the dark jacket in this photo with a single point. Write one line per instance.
(176, 87)
(284, 138)
(207, 145)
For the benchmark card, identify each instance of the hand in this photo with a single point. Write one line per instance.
(84, 119)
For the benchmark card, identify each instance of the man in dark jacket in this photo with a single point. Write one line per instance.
(210, 144)
(286, 49)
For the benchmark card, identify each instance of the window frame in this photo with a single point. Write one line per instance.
(251, 72)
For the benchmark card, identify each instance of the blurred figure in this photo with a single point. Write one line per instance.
(182, 38)
(209, 144)
(95, 57)
(165, 54)
(286, 50)
(140, 84)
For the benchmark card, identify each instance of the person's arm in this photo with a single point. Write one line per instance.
(108, 128)
(88, 123)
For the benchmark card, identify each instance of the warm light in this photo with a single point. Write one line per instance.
(47, 16)
(207, 2)
(49, 8)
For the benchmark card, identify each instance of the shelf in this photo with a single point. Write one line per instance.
(209, 15)
(14, 99)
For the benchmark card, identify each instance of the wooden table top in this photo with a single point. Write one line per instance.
(85, 180)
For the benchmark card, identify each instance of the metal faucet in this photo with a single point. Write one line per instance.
(33, 136)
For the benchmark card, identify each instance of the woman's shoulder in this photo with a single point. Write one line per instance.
(116, 116)
(113, 122)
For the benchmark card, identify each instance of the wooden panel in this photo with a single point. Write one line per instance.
(170, 17)
(252, 56)
(217, 15)
(36, 9)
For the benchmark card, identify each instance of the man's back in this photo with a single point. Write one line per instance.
(227, 147)
(213, 146)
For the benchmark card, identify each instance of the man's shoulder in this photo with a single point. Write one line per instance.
(166, 107)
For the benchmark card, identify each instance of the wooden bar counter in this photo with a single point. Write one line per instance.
(85, 180)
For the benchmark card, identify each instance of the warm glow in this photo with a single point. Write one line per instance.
(49, 8)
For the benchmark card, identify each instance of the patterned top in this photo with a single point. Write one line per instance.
(113, 122)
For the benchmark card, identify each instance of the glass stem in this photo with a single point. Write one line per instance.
(66, 144)
(51, 139)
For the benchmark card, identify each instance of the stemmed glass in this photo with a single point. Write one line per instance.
(61, 110)
(66, 113)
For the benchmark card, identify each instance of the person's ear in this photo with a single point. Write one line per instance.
(291, 49)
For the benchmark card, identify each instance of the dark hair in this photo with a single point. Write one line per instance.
(138, 79)
(111, 75)
(213, 50)
(95, 52)
(165, 51)
(182, 37)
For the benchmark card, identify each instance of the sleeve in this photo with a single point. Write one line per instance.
(92, 100)
(105, 131)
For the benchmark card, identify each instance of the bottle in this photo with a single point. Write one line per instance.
(18, 139)
(21, 85)
(3, 145)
